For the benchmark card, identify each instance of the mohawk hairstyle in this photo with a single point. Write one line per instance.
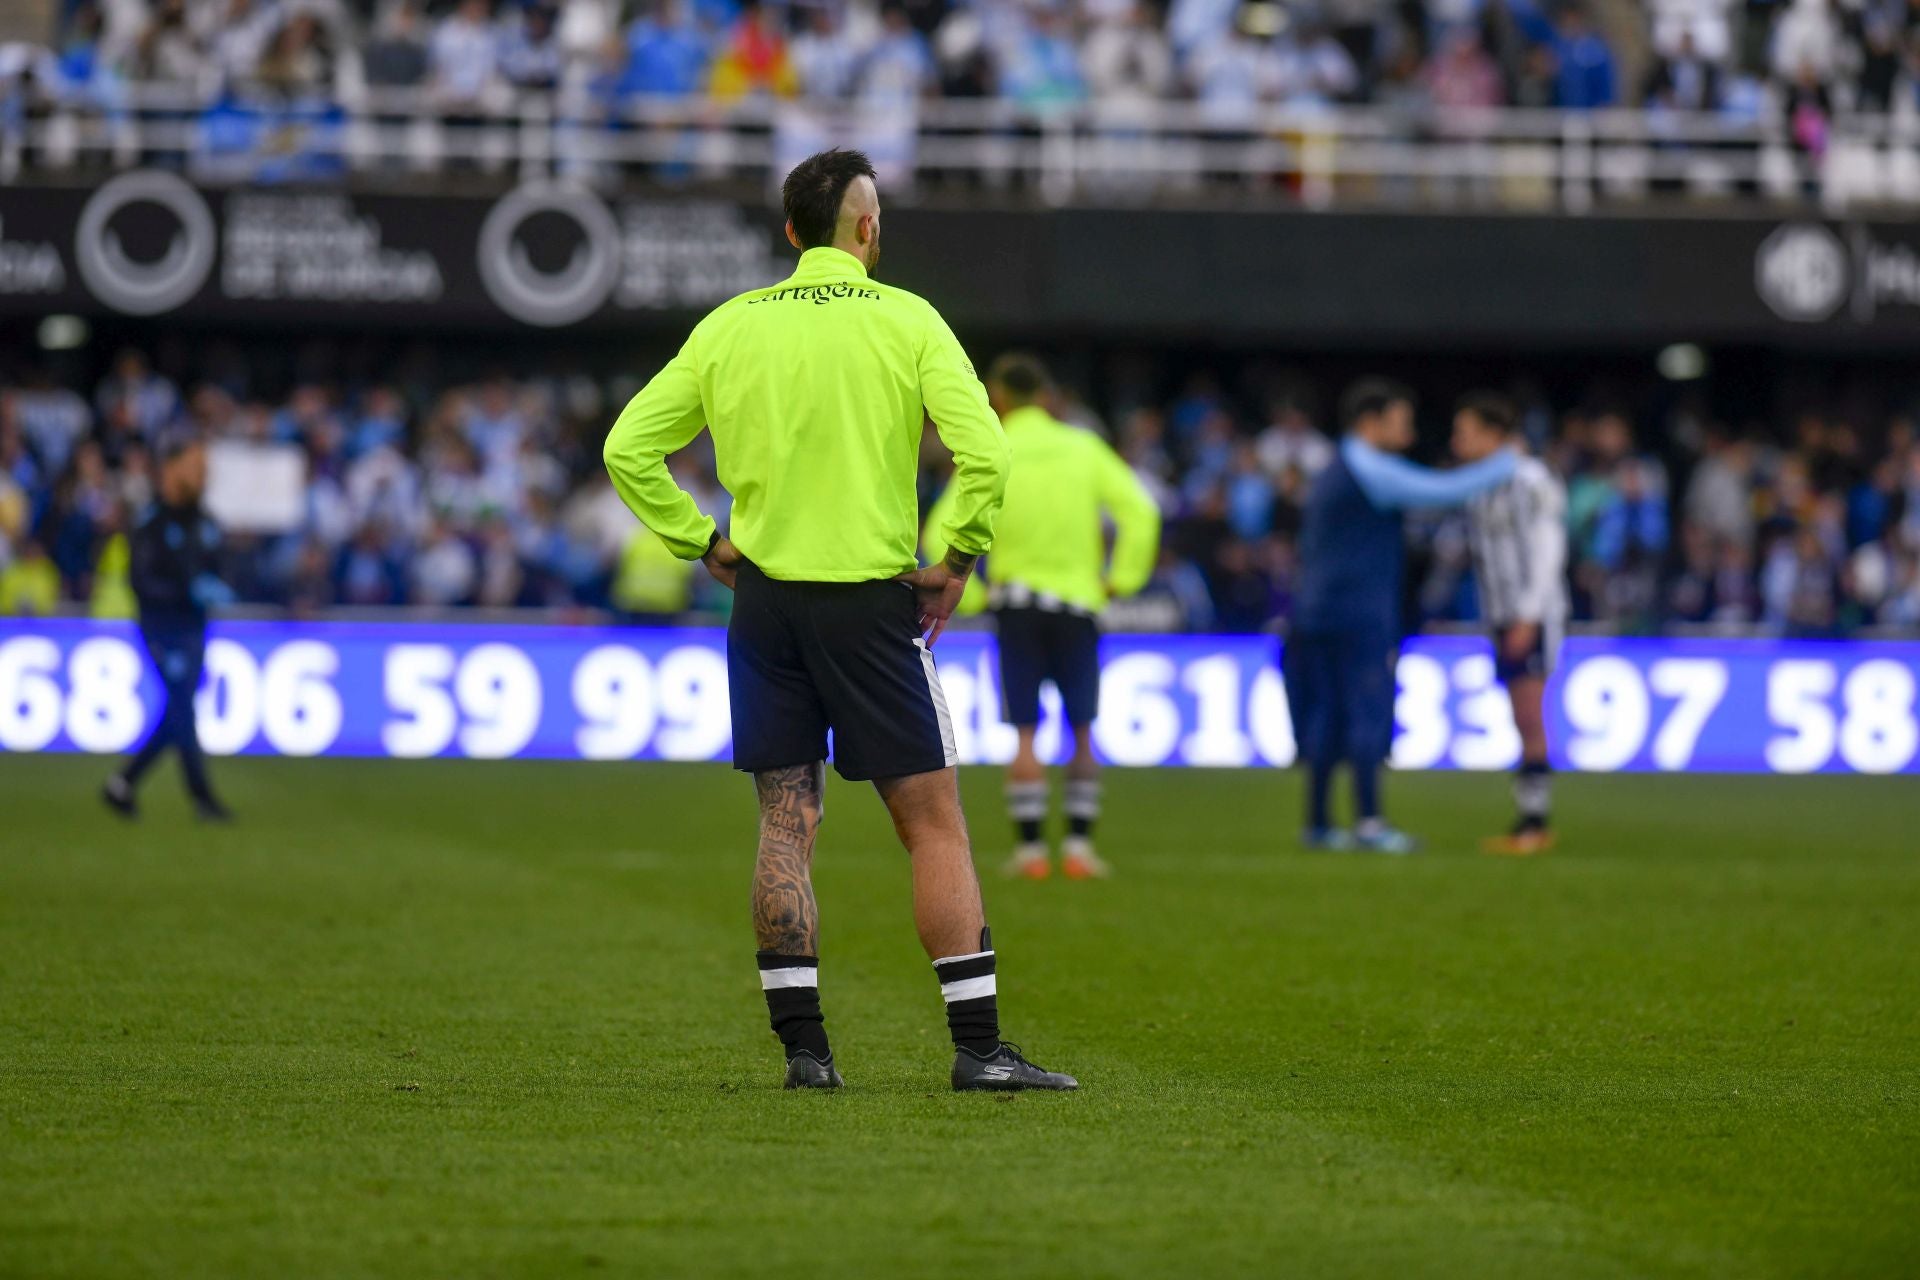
(814, 191)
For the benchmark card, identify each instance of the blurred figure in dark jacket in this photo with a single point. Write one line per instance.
(174, 551)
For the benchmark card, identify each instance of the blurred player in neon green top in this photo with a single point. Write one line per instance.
(1048, 576)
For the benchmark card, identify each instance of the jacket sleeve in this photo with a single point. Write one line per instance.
(665, 416)
(1136, 523)
(957, 403)
(1390, 481)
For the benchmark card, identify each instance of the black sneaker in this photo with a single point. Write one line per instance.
(1004, 1070)
(804, 1071)
(211, 810)
(117, 794)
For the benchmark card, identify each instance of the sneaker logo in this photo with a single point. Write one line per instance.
(996, 1073)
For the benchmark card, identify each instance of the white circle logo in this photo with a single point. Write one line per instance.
(526, 291)
(145, 288)
(1801, 272)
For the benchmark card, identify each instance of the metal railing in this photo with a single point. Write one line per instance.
(1505, 158)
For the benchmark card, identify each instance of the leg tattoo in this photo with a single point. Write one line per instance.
(785, 920)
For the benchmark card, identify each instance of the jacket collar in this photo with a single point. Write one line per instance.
(828, 263)
(1029, 415)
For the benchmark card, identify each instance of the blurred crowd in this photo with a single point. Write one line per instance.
(1803, 60)
(413, 492)
(490, 494)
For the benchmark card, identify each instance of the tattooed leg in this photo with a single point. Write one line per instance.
(785, 923)
(785, 920)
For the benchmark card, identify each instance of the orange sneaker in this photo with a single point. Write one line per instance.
(1029, 862)
(1519, 844)
(1078, 861)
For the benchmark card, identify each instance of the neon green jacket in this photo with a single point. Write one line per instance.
(1050, 540)
(650, 578)
(816, 391)
(112, 581)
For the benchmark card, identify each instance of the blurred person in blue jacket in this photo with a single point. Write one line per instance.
(1344, 640)
(174, 551)
(1586, 71)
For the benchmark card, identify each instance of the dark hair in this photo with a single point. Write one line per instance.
(814, 191)
(1020, 374)
(1370, 396)
(1492, 408)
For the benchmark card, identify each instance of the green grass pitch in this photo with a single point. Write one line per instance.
(462, 1019)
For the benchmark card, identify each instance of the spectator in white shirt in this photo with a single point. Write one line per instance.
(1192, 25)
(464, 57)
(383, 487)
(1704, 22)
(1314, 69)
(444, 570)
(823, 58)
(584, 27)
(1292, 442)
(898, 70)
(1127, 61)
(1807, 41)
(237, 42)
(166, 49)
(495, 424)
(1232, 75)
(596, 517)
(52, 419)
(530, 53)
(135, 397)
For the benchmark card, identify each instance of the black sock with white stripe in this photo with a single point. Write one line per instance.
(973, 1002)
(1533, 794)
(792, 987)
(1082, 805)
(1027, 805)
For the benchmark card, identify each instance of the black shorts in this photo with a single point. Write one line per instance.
(807, 657)
(1537, 661)
(1037, 645)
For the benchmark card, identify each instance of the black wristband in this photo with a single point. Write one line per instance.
(960, 563)
(713, 541)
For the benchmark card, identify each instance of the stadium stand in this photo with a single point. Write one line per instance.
(412, 488)
(1490, 101)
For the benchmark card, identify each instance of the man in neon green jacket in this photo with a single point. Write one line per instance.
(1050, 576)
(816, 391)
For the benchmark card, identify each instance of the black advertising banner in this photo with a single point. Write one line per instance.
(1436, 280)
(545, 255)
(548, 255)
